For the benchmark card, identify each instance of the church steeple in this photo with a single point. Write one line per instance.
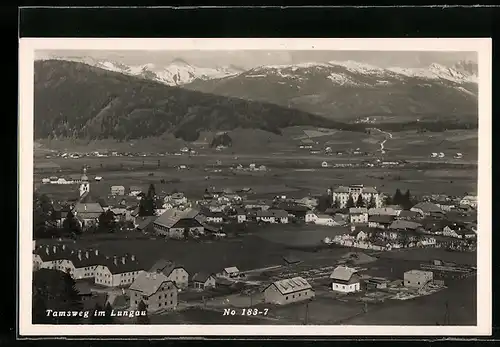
(85, 185)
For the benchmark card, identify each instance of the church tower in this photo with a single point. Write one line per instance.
(85, 185)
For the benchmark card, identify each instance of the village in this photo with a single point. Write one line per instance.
(365, 227)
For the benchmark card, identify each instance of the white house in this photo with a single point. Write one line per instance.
(288, 291)
(345, 280)
(358, 215)
(311, 217)
(174, 272)
(116, 272)
(341, 194)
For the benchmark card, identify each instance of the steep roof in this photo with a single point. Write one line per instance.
(144, 222)
(403, 224)
(170, 217)
(386, 219)
(148, 283)
(91, 207)
(342, 273)
(202, 277)
(341, 190)
(427, 207)
(408, 214)
(165, 266)
(232, 269)
(291, 285)
(122, 267)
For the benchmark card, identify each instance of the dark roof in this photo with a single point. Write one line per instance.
(202, 277)
(120, 267)
(165, 266)
(170, 217)
(144, 222)
(291, 259)
(408, 214)
(385, 219)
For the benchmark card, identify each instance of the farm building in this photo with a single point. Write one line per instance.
(417, 278)
(155, 290)
(380, 221)
(179, 224)
(345, 279)
(174, 272)
(203, 281)
(288, 291)
(469, 200)
(426, 208)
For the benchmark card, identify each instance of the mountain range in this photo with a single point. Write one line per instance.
(76, 100)
(177, 72)
(345, 91)
(96, 99)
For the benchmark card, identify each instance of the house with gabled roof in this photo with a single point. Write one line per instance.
(203, 281)
(174, 272)
(288, 291)
(179, 224)
(345, 280)
(426, 208)
(155, 290)
(117, 271)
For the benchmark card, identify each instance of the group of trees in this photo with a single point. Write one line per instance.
(147, 204)
(360, 202)
(56, 291)
(405, 200)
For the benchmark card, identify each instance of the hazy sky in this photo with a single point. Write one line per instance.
(249, 59)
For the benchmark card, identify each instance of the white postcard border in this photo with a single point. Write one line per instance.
(26, 90)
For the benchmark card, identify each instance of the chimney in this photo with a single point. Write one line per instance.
(115, 260)
(123, 260)
(80, 254)
(47, 249)
(64, 247)
(54, 249)
(132, 257)
(96, 252)
(85, 206)
(87, 254)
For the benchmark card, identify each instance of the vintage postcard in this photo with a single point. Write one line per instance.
(255, 187)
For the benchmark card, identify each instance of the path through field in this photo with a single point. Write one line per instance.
(382, 144)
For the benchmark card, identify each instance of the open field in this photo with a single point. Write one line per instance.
(282, 177)
(404, 144)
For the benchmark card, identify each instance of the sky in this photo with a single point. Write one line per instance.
(251, 59)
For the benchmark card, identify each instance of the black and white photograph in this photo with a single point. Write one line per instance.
(273, 186)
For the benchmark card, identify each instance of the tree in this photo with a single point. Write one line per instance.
(54, 290)
(372, 203)
(107, 221)
(43, 215)
(398, 198)
(360, 202)
(151, 191)
(350, 202)
(324, 202)
(407, 200)
(71, 224)
(388, 200)
(142, 308)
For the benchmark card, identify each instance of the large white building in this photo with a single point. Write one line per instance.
(288, 291)
(342, 193)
